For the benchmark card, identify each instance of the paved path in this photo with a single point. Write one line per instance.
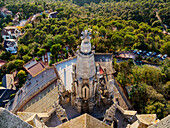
(28, 90)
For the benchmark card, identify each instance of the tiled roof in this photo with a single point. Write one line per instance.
(30, 63)
(9, 120)
(84, 121)
(2, 62)
(164, 123)
(146, 118)
(36, 69)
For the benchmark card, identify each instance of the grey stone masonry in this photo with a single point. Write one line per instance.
(164, 123)
(60, 112)
(9, 120)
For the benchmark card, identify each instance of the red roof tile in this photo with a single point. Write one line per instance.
(36, 69)
(2, 62)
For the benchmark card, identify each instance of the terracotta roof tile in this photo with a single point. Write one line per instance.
(36, 68)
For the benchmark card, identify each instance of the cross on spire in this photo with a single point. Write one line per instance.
(85, 35)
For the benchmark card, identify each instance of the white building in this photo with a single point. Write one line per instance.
(4, 12)
(10, 32)
(11, 45)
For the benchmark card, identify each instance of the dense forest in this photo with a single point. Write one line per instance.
(115, 25)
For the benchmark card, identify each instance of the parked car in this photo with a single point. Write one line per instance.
(149, 53)
(159, 56)
(144, 52)
(139, 62)
(164, 56)
(135, 51)
(154, 54)
(139, 52)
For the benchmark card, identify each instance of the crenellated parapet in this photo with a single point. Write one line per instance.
(109, 116)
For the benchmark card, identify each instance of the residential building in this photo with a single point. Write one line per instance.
(34, 68)
(21, 24)
(53, 14)
(10, 32)
(10, 45)
(4, 11)
(15, 21)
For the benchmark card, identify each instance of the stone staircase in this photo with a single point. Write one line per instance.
(109, 116)
(60, 112)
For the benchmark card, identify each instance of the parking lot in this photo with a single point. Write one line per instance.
(126, 55)
(144, 54)
(133, 54)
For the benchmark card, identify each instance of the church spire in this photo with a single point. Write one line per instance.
(85, 45)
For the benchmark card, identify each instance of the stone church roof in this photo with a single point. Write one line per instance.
(9, 120)
(84, 121)
(164, 123)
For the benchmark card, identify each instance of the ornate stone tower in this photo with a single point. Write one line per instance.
(85, 80)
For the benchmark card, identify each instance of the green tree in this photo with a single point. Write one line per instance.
(55, 49)
(70, 40)
(128, 39)
(4, 55)
(26, 58)
(19, 64)
(41, 52)
(23, 49)
(22, 77)
(139, 97)
(39, 17)
(102, 31)
(44, 15)
(10, 65)
(57, 39)
(156, 108)
(165, 48)
(117, 40)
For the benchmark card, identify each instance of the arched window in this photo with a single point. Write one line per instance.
(85, 93)
(85, 90)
